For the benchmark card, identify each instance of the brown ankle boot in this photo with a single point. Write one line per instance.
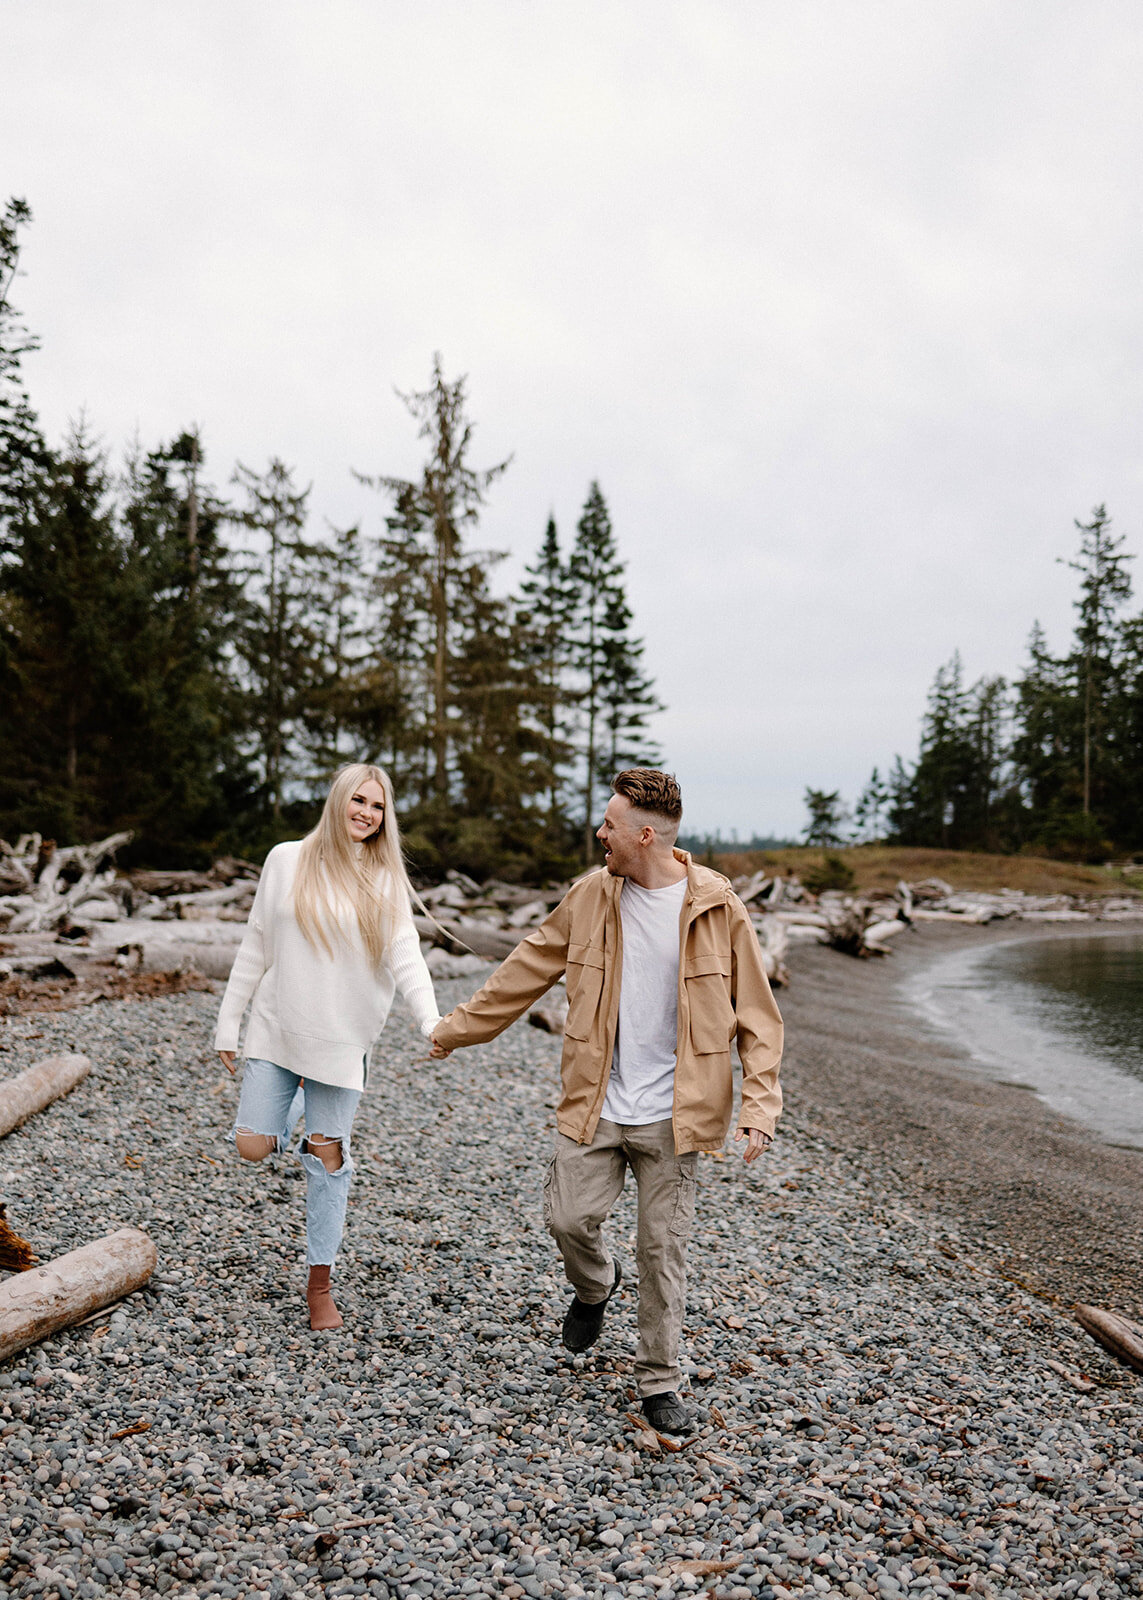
(323, 1313)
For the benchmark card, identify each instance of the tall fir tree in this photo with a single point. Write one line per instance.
(614, 697)
(1105, 586)
(277, 641)
(545, 610)
(25, 460)
(428, 559)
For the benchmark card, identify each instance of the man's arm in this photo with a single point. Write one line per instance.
(517, 983)
(759, 1035)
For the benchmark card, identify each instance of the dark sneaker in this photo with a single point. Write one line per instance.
(667, 1414)
(583, 1322)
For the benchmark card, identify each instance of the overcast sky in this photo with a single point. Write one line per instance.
(840, 302)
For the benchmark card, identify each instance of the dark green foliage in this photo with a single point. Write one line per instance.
(1056, 765)
(827, 817)
(115, 701)
(24, 456)
(614, 698)
(194, 671)
(831, 872)
(278, 641)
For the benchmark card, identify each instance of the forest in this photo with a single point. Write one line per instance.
(191, 661)
(1050, 764)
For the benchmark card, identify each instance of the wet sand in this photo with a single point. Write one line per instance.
(1052, 1204)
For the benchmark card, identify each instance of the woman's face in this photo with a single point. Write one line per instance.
(365, 812)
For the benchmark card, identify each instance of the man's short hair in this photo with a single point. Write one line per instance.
(652, 791)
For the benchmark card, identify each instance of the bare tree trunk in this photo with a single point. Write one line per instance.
(192, 518)
(1087, 737)
(440, 652)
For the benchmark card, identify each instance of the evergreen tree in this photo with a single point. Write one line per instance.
(628, 695)
(827, 817)
(545, 614)
(870, 812)
(614, 697)
(181, 728)
(277, 641)
(25, 460)
(339, 704)
(65, 664)
(427, 558)
(950, 798)
(1105, 586)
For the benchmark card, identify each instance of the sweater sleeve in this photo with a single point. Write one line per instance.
(413, 979)
(249, 965)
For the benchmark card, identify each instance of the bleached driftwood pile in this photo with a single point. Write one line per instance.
(784, 911)
(66, 909)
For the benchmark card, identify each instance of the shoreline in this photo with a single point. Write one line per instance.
(882, 1411)
(1057, 1207)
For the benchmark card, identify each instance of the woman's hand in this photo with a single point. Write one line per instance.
(228, 1060)
(438, 1052)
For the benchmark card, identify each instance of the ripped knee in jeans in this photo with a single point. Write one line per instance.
(327, 1151)
(254, 1146)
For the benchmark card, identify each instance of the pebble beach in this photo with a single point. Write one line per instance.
(883, 1408)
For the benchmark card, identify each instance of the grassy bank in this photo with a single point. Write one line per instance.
(878, 866)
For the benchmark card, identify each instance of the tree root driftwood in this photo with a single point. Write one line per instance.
(1118, 1334)
(45, 1299)
(30, 1091)
(16, 1254)
(42, 884)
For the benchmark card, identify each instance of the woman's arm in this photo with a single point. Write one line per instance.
(249, 965)
(413, 978)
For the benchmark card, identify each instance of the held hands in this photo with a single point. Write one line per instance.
(228, 1060)
(757, 1143)
(438, 1052)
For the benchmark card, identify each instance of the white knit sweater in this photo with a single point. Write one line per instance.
(316, 1014)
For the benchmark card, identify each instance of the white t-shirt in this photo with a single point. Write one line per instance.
(641, 1088)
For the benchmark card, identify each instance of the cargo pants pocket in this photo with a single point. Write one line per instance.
(683, 1214)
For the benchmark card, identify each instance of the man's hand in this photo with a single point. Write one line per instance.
(228, 1060)
(438, 1052)
(757, 1143)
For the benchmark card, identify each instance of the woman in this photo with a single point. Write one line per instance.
(330, 938)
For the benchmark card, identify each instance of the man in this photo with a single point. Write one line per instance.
(663, 973)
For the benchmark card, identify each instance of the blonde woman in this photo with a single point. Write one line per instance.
(329, 941)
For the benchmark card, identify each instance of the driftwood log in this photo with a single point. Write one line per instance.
(21, 1097)
(63, 1291)
(51, 883)
(1115, 1333)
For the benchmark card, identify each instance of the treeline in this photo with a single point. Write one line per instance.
(192, 662)
(1050, 764)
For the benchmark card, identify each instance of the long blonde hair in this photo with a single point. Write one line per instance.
(333, 870)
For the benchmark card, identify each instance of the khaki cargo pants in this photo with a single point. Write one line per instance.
(583, 1183)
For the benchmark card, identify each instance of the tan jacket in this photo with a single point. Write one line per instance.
(724, 997)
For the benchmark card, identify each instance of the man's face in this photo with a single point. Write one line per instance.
(620, 835)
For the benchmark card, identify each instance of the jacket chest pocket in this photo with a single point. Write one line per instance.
(711, 1015)
(584, 985)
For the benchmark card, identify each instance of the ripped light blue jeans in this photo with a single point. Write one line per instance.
(270, 1103)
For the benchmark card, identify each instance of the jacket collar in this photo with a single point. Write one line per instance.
(705, 886)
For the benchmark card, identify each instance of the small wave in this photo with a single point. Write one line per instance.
(1026, 1019)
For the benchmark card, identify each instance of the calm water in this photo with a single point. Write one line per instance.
(1060, 1016)
(1090, 990)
